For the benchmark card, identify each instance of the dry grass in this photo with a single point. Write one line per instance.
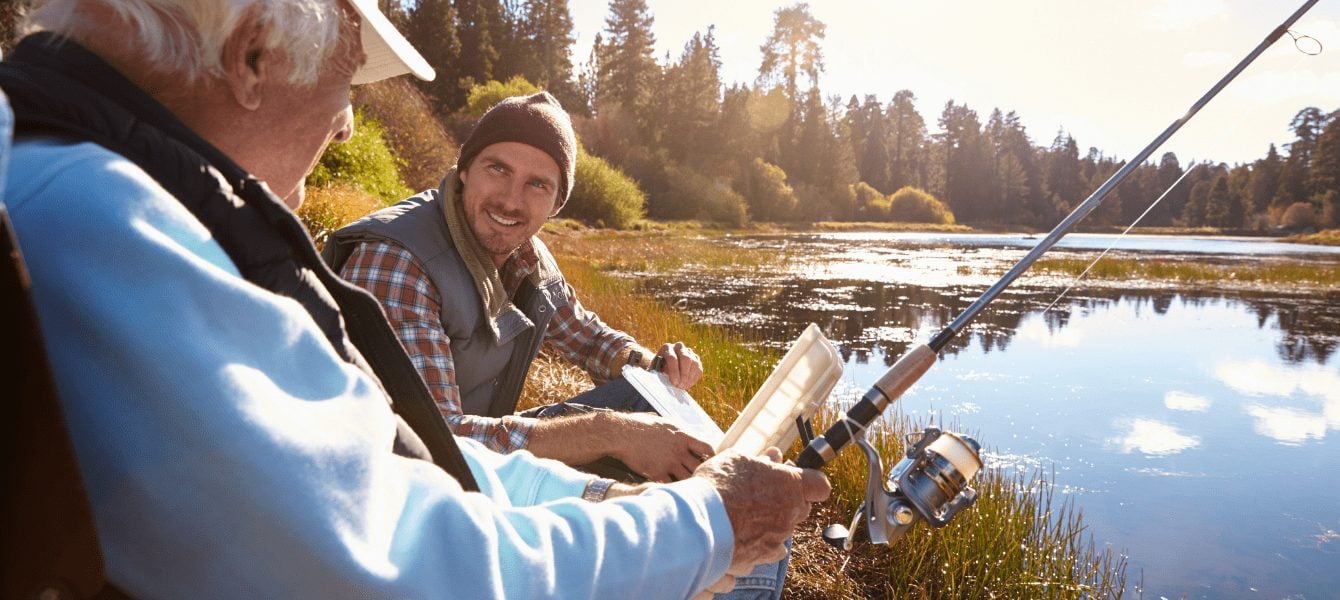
(659, 251)
(416, 136)
(329, 208)
(1329, 237)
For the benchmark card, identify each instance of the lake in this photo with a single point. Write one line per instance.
(1196, 429)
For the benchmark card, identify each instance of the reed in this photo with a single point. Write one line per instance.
(661, 251)
(1293, 274)
(1016, 542)
(1328, 237)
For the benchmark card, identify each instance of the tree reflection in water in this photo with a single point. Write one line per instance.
(861, 316)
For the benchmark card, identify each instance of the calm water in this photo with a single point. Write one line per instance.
(1198, 430)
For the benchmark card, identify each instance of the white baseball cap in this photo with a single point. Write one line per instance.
(388, 53)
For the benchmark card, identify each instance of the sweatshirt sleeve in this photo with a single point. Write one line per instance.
(227, 452)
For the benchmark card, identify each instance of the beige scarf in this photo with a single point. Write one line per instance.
(480, 263)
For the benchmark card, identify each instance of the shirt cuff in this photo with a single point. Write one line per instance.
(706, 502)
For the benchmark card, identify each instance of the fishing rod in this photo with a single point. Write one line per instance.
(931, 482)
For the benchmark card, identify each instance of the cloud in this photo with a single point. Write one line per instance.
(1286, 424)
(1036, 330)
(1257, 378)
(1183, 401)
(1154, 438)
(1289, 426)
(1173, 15)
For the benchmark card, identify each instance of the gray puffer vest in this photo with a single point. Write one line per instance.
(491, 356)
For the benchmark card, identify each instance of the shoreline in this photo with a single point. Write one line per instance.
(1329, 237)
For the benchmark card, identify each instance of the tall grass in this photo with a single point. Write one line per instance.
(1177, 271)
(733, 370)
(1329, 237)
(333, 206)
(1017, 541)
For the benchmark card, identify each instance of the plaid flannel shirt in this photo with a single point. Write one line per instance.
(413, 306)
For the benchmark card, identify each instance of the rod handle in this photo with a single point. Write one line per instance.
(888, 388)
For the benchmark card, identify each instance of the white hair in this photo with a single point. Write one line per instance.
(186, 37)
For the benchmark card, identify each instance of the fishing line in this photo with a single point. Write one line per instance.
(1128, 229)
(1306, 45)
(914, 363)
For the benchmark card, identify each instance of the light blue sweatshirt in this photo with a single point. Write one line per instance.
(228, 452)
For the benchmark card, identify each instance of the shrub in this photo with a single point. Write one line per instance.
(483, 96)
(678, 192)
(331, 207)
(364, 161)
(766, 192)
(425, 149)
(823, 202)
(870, 204)
(704, 198)
(1299, 216)
(602, 195)
(913, 205)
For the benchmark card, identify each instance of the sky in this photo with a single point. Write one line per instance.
(1112, 74)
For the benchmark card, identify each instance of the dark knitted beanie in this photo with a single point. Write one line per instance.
(537, 120)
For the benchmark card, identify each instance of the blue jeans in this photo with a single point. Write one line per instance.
(763, 583)
(615, 394)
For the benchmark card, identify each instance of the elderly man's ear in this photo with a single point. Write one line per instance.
(247, 62)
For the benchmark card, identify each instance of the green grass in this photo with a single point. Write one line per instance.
(1016, 542)
(1185, 272)
(659, 250)
(1329, 237)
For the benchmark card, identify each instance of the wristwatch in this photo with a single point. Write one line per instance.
(635, 358)
(597, 489)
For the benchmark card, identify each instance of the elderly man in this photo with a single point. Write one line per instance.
(234, 408)
(473, 295)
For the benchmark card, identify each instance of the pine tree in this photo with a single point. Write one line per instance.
(1062, 182)
(907, 145)
(432, 29)
(1324, 174)
(1265, 179)
(476, 22)
(1220, 208)
(626, 63)
(1294, 186)
(870, 138)
(793, 49)
(1171, 209)
(965, 157)
(690, 104)
(544, 40)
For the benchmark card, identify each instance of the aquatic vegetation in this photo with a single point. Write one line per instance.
(1126, 269)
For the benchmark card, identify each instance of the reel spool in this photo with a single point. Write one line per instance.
(931, 483)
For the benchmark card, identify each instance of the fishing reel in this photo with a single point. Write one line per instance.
(930, 484)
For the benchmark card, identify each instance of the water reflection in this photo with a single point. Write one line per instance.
(1153, 438)
(864, 316)
(1291, 425)
(1183, 401)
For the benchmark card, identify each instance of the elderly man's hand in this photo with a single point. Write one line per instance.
(654, 446)
(765, 500)
(681, 365)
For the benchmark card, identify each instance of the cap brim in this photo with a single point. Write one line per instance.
(388, 53)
